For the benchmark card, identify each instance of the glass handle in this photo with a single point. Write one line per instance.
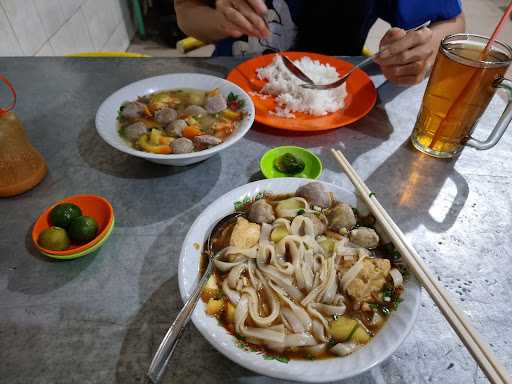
(503, 122)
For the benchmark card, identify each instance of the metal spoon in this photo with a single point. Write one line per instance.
(287, 62)
(339, 82)
(173, 335)
(296, 70)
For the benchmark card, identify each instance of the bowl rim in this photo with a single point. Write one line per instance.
(71, 199)
(208, 328)
(244, 126)
(302, 149)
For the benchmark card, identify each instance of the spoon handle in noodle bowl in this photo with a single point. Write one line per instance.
(173, 335)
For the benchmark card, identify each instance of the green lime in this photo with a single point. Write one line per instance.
(82, 229)
(54, 238)
(62, 214)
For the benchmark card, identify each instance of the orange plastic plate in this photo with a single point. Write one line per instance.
(361, 95)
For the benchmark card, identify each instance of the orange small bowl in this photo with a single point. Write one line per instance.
(91, 205)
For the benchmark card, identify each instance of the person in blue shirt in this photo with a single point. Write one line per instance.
(247, 27)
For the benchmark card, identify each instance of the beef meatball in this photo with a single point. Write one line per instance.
(166, 115)
(206, 141)
(133, 110)
(133, 131)
(261, 212)
(215, 104)
(176, 128)
(364, 237)
(182, 145)
(194, 110)
(315, 194)
(341, 216)
(319, 222)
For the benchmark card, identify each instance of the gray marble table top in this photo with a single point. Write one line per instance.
(99, 319)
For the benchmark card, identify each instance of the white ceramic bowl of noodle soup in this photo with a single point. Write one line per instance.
(106, 117)
(380, 347)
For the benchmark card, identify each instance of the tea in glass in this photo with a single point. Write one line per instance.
(462, 83)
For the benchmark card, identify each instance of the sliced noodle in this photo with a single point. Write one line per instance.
(286, 294)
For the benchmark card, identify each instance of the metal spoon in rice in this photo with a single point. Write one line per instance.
(296, 71)
(341, 81)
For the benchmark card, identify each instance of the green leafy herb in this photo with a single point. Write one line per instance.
(289, 163)
(404, 271)
(280, 358)
(381, 308)
(387, 293)
(240, 344)
(372, 194)
(234, 102)
(232, 97)
(119, 113)
(388, 248)
(331, 343)
(301, 212)
(241, 205)
(240, 337)
(390, 300)
(259, 196)
(283, 359)
(391, 253)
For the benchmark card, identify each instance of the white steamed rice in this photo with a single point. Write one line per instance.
(291, 97)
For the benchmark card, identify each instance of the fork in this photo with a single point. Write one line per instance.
(341, 81)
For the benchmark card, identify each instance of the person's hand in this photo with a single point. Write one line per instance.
(243, 17)
(406, 57)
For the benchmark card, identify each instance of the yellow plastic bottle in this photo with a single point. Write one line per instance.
(22, 167)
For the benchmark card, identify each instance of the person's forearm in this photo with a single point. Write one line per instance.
(197, 19)
(444, 28)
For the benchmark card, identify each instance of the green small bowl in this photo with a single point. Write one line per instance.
(95, 247)
(313, 168)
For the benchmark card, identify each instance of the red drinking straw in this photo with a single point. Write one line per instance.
(498, 29)
(13, 92)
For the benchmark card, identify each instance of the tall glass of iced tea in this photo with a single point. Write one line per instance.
(463, 81)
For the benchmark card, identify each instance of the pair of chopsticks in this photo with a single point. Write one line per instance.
(491, 367)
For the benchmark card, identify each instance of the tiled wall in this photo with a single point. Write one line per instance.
(60, 27)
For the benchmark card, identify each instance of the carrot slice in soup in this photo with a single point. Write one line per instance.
(192, 131)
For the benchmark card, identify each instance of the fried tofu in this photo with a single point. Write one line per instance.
(245, 234)
(370, 280)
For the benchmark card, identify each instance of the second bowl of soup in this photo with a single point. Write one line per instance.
(177, 119)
